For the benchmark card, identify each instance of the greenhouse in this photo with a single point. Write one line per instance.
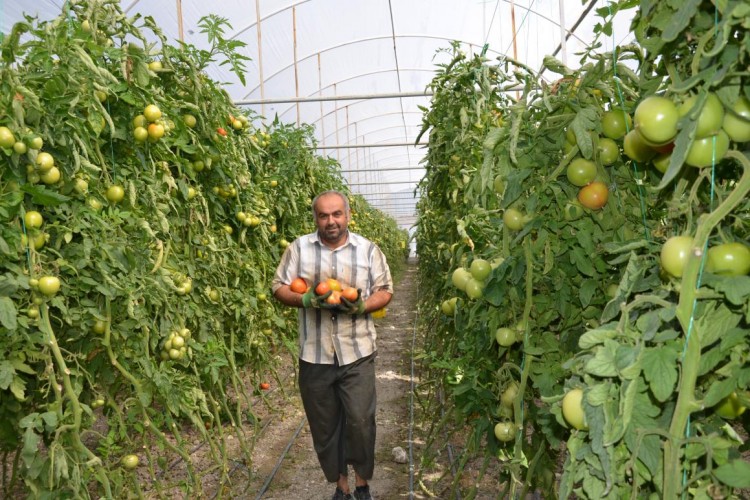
(514, 233)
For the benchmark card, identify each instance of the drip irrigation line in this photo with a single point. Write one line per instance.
(281, 459)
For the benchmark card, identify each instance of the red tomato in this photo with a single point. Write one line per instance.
(594, 196)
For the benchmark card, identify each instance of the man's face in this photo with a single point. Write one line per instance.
(331, 218)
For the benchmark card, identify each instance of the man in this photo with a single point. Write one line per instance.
(337, 342)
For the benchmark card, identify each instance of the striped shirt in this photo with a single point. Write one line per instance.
(358, 263)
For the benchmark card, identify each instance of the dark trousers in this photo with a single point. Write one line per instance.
(340, 406)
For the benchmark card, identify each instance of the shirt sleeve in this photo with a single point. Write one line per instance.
(286, 267)
(381, 273)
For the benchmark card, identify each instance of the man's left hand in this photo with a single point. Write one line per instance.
(353, 306)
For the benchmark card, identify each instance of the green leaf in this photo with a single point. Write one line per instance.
(660, 369)
(718, 391)
(735, 473)
(713, 320)
(8, 313)
(597, 336)
(587, 291)
(43, 196)
(603, 362)
(680, 20)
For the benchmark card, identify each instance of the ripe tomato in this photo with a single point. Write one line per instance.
(380, 313)
(581, 171)
(609, 151)
(459, 278)
(505, 431)
(656, 119)
(594, 196)
(572, 409)
(730, 407)
(334, 284)
(115, 193)
(514, 219)
(708, 150)
(508, 397)
(709, 119)
(737, 121)
(335, 298)
(505, 337)
(480, 269)
(298, 285)
(33, 219)
(264, 386)
(322, 288)
(616, 123)
(675, 253)
(155, 131)
(49, 285)
(152, 112)
(349, 293)
(7, 139)
(731, 259)
(129, 461)
(636, 148)
(221, 131)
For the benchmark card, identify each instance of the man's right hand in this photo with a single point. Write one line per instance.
(311, 300)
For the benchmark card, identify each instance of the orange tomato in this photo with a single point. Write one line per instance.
(264, 386)
(349, 293)
(322, 288)
(298, 285)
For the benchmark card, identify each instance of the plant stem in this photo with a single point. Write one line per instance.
(686, 402)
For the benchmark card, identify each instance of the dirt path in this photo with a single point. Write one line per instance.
(298, 475)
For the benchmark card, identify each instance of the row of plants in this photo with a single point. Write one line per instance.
(144, 218)
(592, 320)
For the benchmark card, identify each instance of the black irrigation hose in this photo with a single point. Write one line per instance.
(281, 459)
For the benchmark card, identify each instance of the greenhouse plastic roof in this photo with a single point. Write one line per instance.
(358, 70)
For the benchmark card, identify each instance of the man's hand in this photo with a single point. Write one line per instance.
(311, 300)
(353, 306)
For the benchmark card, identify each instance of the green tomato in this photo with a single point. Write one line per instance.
(711, 115)
(129, 461)
(636, 148)
(730, 259)
(115, 193)
(49, 285)
(573, 211)
(459, 278)
(708, 150)
(498, 184)
(737, 121)
(581, 171)
(616, 123)
(514, 219)
(7, 139)
(609, 151)
(505, 431)
(508, 397)
(675, 253)
(448, 306)
(480, 269)
(474, 289)
(656, 119)
(505, 337)
(33, 219)
(661, 162)
(572, 409)
(730, 407)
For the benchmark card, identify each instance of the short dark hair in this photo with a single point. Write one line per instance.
(325, 193)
